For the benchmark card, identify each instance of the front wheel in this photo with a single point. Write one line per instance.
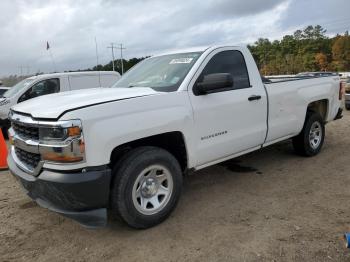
(147, 186)
(309, 142)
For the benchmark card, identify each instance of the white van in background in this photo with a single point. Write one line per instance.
(3, 90)
(52, 83)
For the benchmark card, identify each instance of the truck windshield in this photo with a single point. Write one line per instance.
(161, 73)
(18, 87)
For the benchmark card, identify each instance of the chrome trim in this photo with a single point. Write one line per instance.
(22, 119)
(27, 120)
(26, 145)
(61, 123)
(25, 168)
(70, 145)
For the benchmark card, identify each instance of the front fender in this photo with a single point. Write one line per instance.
(109, 125)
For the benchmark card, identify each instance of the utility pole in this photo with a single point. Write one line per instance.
(121, 57)
(96, 49)
(112, 46)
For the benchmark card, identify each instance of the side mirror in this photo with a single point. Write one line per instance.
(214, 82)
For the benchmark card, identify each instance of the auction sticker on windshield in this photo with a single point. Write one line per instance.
(185, 60)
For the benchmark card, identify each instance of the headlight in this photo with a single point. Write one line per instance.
(62, 143)
(59, 133)
(52, 134)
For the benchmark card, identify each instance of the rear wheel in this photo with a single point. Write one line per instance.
(147, 186)
(347, 106)
(309, 142)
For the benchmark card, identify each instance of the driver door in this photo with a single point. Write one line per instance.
(228, 121)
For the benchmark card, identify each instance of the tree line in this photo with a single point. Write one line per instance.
(309, 49)
(127, 64)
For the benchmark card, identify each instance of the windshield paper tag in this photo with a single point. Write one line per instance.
(181, 60)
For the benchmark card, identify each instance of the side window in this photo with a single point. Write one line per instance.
(45, 87)
(232, 62)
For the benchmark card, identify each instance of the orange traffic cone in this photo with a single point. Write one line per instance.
(3, 152)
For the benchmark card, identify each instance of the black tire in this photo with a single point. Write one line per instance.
(301, 143)
(127, 171)
(347, 106)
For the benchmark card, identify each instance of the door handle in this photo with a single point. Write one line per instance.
(254, 97)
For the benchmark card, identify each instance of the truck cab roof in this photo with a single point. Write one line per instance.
(194, 49)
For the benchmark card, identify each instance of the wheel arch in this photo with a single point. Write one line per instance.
(319, 106)
(174, 142)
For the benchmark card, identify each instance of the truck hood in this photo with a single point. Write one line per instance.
(53, 106)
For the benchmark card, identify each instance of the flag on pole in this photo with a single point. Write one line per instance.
(47, 45)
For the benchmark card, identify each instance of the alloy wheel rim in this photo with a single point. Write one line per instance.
(315, 135)
(152, 189)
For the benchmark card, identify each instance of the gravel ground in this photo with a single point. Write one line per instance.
(270, 205)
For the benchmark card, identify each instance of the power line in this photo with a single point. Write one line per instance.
(121, 48)
(112, 46)
(121, 56)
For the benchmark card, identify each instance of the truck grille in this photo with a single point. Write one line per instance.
(25, 131)
(30, 159)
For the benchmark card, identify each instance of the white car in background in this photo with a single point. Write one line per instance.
(40, 85)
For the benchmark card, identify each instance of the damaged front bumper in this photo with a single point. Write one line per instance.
(82, 196)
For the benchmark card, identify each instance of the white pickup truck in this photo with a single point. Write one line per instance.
(125, 149)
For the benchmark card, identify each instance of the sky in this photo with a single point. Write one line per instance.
(145, 27)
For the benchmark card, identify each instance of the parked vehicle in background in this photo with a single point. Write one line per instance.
(3, 89)
(126, 148)
(45, 84)
(316, 74)
(347, 93)
(344, 75)
(276, 78)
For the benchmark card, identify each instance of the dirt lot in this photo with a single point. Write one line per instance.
(270, 205)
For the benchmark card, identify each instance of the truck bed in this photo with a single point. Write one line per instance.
(288, 99)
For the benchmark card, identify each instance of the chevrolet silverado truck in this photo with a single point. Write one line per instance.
(122, 151)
